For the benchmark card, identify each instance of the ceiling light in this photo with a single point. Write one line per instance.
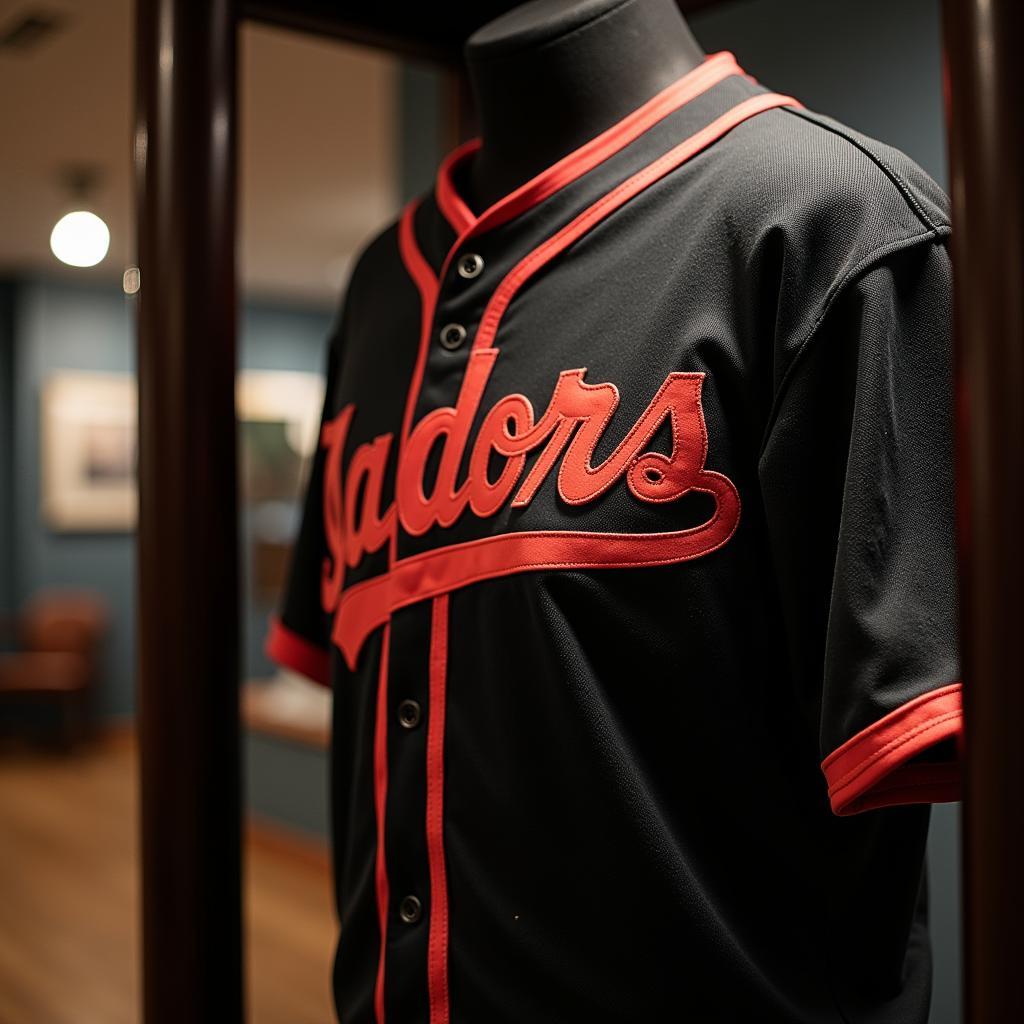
(80, 239)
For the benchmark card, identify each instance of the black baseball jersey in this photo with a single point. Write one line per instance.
(628, 553)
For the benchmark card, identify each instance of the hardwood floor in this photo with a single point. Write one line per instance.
(69, 913)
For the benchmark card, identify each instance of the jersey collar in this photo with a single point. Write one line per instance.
(569, 168)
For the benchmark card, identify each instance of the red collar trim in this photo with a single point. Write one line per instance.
(713, 69)
(451, 204)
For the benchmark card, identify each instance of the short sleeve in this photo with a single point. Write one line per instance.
(856, 476)
(299, 634)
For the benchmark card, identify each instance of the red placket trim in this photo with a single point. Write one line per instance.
(426, 283)
(380, 792)
(437, 942)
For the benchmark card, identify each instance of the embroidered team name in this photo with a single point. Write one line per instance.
(567, 434)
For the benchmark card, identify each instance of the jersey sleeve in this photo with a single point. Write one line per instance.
(299, 633)
(856, 476)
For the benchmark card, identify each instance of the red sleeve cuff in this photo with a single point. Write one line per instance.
(292, 651)
(875, 768)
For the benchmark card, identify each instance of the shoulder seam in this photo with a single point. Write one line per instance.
(837, 287)
(894, 176)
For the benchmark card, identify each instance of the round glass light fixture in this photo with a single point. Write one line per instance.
(80, 239)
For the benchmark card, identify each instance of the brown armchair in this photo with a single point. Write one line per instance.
(56, 658)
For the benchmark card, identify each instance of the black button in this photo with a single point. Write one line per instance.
(409, 713)
(410, 909)
(470, 265)
(452, 336)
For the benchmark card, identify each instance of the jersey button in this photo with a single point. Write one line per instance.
(452, 336)
(409, 714)
(470, 265)
(410, 910)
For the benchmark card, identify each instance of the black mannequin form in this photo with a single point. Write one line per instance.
(551, 74)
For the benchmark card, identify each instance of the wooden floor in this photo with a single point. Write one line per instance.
(69, 910)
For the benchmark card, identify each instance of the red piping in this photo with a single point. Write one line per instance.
(449, 202)
(419, 270)
(380, 790)
(437, 943)
(437, 940)
(426, 283)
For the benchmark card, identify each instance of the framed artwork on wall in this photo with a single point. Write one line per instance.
(88, 442)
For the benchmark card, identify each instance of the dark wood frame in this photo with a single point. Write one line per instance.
(185, 151)
(984, 100)
(185, 154)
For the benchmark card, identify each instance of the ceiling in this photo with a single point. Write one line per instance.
(318, 136)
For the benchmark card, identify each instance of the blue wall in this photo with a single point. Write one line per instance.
(68, 326)
(876, 66)
(65, 326)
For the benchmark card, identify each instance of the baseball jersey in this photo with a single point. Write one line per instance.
(628, 554)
